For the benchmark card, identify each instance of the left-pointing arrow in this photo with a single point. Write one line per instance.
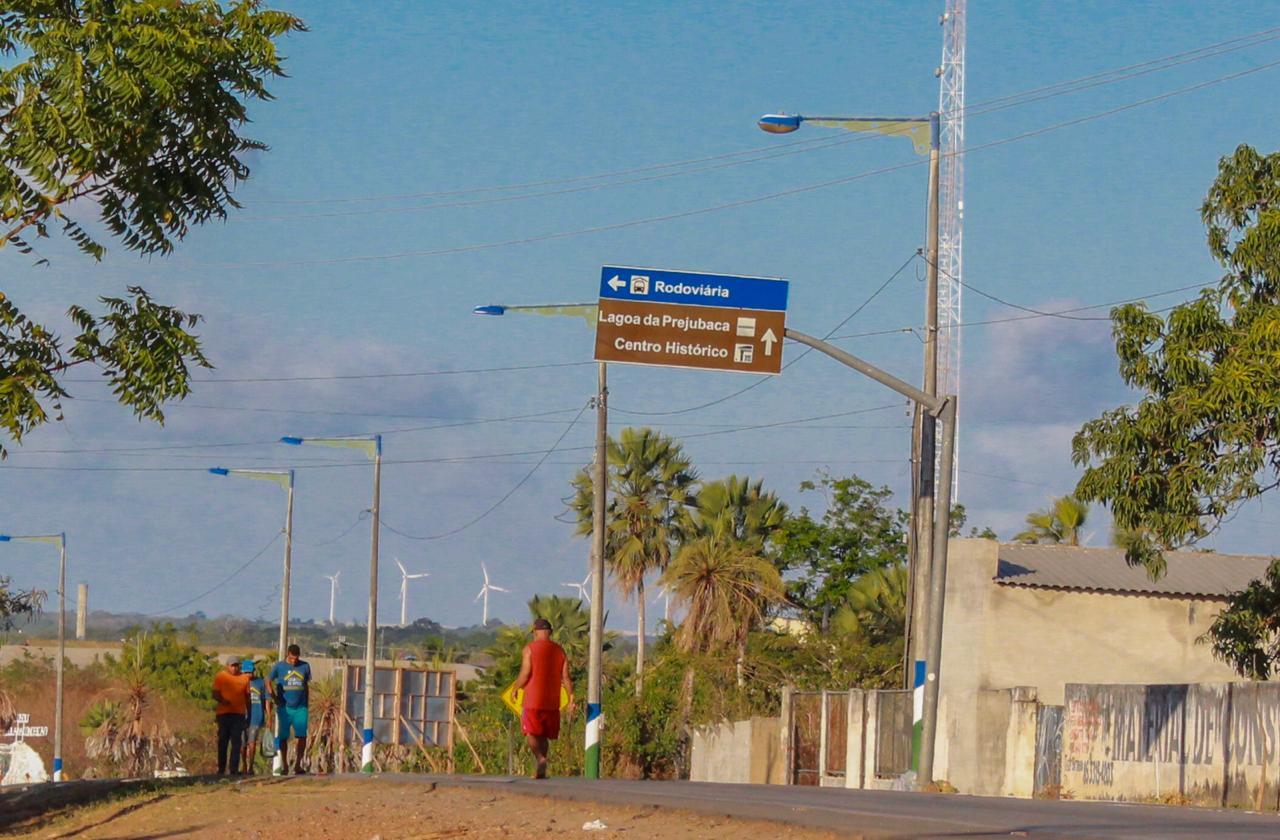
(769, 339)
(616, 283)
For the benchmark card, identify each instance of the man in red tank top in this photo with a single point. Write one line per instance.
(544, 670)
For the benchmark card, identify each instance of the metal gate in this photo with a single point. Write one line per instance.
(1048, 777)
(836, 726)
(806, 737)
(893, 732)
(819, 736)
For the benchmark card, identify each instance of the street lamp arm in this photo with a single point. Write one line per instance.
(933, 404)
(923, 131)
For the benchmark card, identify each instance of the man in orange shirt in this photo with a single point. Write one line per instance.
(231, 691)
(544, 670)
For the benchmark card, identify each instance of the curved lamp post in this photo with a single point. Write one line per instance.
(60, 540)
(285, 479)
(595, 655)
(371, 446)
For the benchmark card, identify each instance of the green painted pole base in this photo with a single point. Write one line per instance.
(591, 767)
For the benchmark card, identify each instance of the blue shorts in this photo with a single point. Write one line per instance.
(294, 719)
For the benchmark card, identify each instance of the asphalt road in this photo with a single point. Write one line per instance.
(895, 814)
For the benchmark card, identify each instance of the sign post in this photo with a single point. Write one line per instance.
(691, 320)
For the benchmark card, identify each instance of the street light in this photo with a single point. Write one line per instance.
(924, 134)
(285, 479)
(595, 656)
(371, 446)
(61, 541)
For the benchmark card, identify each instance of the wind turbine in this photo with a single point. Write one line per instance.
(405, 577)
(333, 594)
(484, 595)
(664, 593)
(582, 588)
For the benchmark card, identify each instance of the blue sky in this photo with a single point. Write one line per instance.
(410, 99)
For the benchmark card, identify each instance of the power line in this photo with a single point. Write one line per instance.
(505, 496)
(752, 155)
(729, 205)
(221, 583)
(449, 458)
(273, 441)
(394, 375)
(788, 364)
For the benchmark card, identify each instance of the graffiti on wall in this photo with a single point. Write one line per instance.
(1229, 726)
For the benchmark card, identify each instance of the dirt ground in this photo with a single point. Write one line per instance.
(361, 810)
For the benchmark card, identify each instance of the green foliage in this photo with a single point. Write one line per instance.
(17, 606)
(130, 109)
(875, 607)
(100, 712)
(1205, 435)
(169, 661)
(960, 517)
(133, 104)
(858, 532)
(1060, 523)
(1246, 634)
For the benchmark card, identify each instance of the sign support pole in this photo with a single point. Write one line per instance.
(944, 410)
(595, 661)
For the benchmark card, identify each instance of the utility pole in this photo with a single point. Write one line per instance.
(595, 657)
(925, 436)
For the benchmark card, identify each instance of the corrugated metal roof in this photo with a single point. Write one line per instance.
(1195, 573)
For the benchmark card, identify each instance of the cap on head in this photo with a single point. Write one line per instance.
(231, 659)
(542, 624)
(247, 666)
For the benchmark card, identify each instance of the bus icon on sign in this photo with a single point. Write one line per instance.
(639, 284)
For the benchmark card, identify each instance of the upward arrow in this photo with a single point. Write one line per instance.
(769, 339)
(616, 283)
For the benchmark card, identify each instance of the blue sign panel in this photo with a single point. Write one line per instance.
(693, 289)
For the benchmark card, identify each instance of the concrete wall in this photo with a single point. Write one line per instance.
(746, 751)
(1213, 744)
(997, 637)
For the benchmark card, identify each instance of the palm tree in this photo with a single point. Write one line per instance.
(875, 606)
(740, 511)
(1060, 523)
(650, 478)
(751, 513)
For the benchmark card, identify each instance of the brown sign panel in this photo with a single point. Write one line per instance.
(680, 335)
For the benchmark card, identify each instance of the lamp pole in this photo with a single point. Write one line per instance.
(599, 488)
(371, 446)
(924, 133)
(59, 539)
(285, 478)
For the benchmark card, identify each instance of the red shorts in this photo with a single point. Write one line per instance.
(541, 723)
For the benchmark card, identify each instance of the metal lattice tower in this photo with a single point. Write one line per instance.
(951, 204)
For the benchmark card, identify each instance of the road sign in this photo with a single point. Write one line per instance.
(686, 319)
